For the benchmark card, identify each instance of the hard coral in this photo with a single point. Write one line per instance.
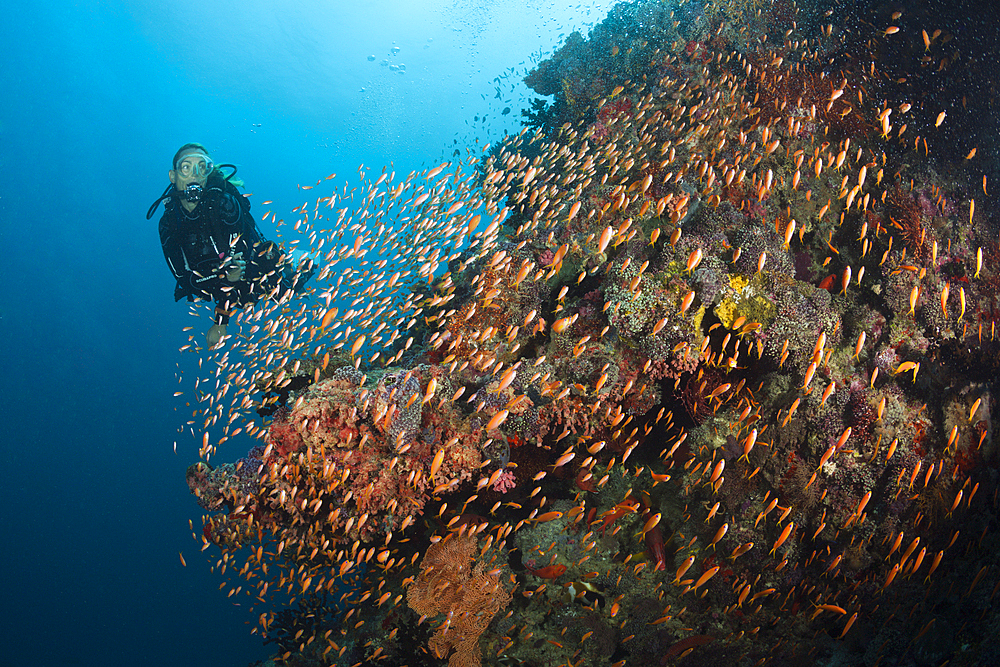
(365, 452)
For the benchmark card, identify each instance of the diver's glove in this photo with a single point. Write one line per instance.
(215, 333)
(234, 267)
(301, 261)
(304, 269)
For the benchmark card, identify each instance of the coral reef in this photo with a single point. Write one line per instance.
(700, 366)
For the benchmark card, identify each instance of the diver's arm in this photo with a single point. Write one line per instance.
(245, 239)
(174, 254)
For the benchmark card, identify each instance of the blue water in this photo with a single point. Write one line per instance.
(94, 100)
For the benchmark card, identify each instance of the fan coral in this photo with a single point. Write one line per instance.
(466, 594)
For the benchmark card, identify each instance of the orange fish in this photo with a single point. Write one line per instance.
(705, 577)
(549, 571)
(694, 259)
(687, 301)
(827, 392)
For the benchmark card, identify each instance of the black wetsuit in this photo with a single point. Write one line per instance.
(197, 243)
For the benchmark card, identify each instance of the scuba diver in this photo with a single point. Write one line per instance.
(212, 244)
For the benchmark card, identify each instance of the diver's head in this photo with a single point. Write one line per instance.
(191, 167)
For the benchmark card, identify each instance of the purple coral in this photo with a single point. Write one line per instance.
(397, 388)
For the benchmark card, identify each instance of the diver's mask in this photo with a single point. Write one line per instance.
(192, 193)
(195, 165)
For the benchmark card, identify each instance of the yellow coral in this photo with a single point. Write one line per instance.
(744, 300)
(570, 100)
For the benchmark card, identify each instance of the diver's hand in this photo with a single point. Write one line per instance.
(215, 334)
(235, 274)
(234, 268)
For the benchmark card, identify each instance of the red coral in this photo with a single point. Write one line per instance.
(285, 438)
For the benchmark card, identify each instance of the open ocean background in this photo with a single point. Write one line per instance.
(94, 100)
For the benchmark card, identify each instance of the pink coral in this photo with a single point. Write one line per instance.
(505, 482)
(366, 452)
